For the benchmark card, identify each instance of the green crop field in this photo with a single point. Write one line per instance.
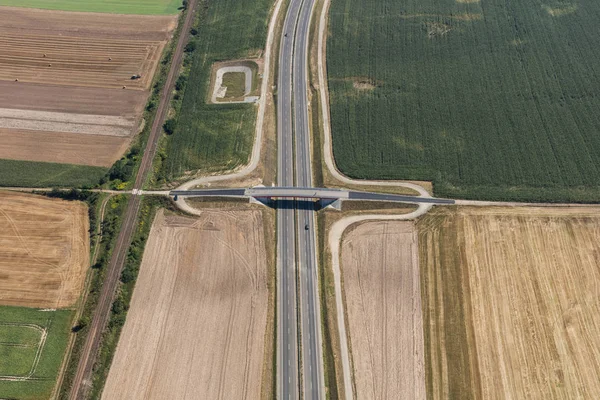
(28, 353)
(148, 7)
(41, 174)
(487, 99)
(213, 137)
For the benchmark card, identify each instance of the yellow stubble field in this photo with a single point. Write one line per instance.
(511, 302)
(44, 250)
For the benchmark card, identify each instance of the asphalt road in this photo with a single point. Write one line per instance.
(287, 324)
(310, 307)
(82, 379)
(310, 192)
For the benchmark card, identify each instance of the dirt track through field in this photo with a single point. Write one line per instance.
(196, 326)
(44, 250)
(383, 301)
(512, 302)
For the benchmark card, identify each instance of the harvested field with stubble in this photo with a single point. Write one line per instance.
(81, 49)
(380, 274)
(67, 72)
(511, 302)
(44, 250)
(196, 326)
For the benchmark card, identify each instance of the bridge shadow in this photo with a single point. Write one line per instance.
(292, 204)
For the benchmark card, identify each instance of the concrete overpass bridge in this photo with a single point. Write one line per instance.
(324, 195)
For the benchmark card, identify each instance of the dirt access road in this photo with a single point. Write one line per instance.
(44, 252)
(196, 326)
(115, 266)
(382, 295)
(511, 302)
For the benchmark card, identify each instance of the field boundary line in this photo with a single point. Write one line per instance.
(335, 236)
(325, 112)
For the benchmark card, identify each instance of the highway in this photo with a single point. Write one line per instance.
(313, 382)
(296, 239)
(287, 319)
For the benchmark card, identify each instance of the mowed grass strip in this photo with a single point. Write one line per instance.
(20, 360)
(145, 7)
(216, 137)
(41, 174)
(489, 99)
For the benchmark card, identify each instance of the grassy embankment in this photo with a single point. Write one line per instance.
(489, 100)
(147, 7)
(213, 137)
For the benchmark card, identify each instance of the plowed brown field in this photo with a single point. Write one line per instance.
(75, 63)
(44, 250)
(511, 302)
(74, 148)
(380, 273)
(78, 46)
(196, 326)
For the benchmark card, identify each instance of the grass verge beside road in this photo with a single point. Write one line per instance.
(146, 7)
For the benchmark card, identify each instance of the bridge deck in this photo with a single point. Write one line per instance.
(307, 193)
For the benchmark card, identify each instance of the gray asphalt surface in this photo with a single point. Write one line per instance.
(287, 326)
(310, 311)
(310, 192)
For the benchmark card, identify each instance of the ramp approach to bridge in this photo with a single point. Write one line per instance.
(286, 193)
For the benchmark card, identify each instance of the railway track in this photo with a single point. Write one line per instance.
(81, 382)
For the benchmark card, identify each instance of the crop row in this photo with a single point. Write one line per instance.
(493, 98)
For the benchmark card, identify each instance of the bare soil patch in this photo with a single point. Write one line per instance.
(44, 250)
(380, 273)
(72, 99)
(511, 302)
(363, 83)
(196, 327)
(94, 25)
(74, 148)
